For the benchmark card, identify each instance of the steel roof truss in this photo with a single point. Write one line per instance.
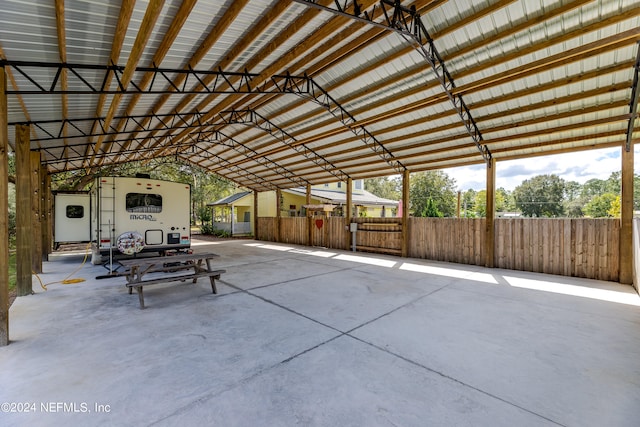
(307, 88)
(194, 83)
(633, 105)
(227, 141)
(167, 121)
(240, 171)
(252, 118)
(406, 21)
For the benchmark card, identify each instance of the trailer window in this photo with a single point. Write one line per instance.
(144, 203)
(75, 211)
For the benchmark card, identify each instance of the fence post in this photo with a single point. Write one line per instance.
(255, 215)
(347, 213)
(405, 213)
(276, 235)
(309, 213)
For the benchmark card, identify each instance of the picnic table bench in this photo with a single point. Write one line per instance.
(191, 267)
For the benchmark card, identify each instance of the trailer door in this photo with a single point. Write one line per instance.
(72, 219)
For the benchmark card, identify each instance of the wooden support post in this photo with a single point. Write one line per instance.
(458, 210)
(626, 218)
(309, 218)
(4, 207)
(325, 230)
(278, 215)
(233, 221)
(405, 213)
(47, 228)
(255, 215)
(490, 231)
(36, 218)
(23, 211)
(348, 213)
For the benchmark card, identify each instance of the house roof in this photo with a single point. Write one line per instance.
(363, 197)
(230, 199)
(281, 94)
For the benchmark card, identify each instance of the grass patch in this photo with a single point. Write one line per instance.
(12, 270)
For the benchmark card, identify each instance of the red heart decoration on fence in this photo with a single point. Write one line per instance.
(319, 223)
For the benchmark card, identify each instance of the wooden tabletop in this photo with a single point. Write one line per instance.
(166, 259)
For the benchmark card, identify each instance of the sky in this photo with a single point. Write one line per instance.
(579, 166)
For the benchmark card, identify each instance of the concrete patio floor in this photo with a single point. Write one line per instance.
(317, 337)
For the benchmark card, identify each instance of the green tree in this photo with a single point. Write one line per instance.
(481, 203)
(613, 184)
(593, 187)
(504, 201)
(599, 206)
(541, 196)
(468, 204)
(387, 188)
(614, 211)
(431, 210)
(573, 201)
(204, 213)
(434, 185)
(572, 190)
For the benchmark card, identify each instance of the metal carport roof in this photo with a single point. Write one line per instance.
(284, 93)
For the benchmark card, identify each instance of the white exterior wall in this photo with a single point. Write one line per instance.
(72, 228)
(162, 227)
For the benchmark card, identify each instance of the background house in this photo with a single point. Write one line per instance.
(365, 203)
(234, 214)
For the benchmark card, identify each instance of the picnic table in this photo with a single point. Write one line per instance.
(190, 266)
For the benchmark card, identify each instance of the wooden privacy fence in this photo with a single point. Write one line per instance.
(582, 247)
(326, 232)
(458, 240)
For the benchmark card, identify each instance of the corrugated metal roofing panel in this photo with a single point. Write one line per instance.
(295, 10)
(377, 82)
(89, 21)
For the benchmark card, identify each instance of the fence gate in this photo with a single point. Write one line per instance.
(319, 230)
(380, 235)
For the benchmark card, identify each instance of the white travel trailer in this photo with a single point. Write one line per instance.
(126, 215)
